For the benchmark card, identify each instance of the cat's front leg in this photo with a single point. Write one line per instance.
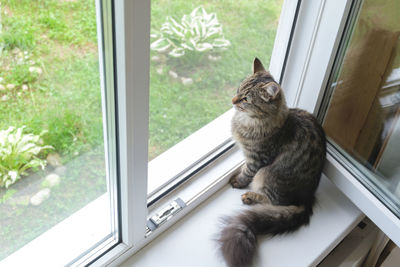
(243, 178)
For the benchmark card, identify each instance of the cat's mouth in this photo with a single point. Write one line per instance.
(239, 107)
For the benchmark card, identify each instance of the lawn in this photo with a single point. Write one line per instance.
(177, 110)
(49, 81)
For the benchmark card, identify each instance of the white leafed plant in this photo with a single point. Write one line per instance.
(18, 152)
(197, 32)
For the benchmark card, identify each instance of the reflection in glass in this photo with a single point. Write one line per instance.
(363, 115)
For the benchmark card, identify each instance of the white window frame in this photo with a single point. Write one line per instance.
(315, 41)
(306, 87)
(319, 27)
(313, 46)
(132, 58)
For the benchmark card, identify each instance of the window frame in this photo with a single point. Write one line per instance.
(132, 48)
(132, 45)
(307, 89)
(312, 47)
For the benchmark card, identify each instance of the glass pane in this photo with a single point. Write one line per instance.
(363, 116)
(200, 51)
(198, 57)
(52, 151)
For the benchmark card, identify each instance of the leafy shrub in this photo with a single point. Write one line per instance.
(18, 152)
(198, 32)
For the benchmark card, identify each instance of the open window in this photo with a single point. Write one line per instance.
(140, 118)
(348, 78)
(362, 101)
(161, 103)
(360, 110)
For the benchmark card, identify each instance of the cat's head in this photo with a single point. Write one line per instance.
(259, 95)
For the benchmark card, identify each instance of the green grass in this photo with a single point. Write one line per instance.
(63, 98)
(176, 110)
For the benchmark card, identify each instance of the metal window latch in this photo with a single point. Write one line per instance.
(165, 214)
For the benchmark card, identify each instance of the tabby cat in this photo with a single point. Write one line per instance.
(285, 152)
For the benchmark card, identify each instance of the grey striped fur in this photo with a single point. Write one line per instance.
(285, 152)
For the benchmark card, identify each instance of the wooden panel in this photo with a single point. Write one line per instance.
(362, 75)
(370, 133)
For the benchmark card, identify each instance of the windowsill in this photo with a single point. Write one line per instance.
(365, 200)
(190, 242)
(334, 218)
(335, 215)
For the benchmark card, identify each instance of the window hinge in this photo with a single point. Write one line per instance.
(164, 214)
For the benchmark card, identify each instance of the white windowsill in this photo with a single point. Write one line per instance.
(365, 200)
(190, 242)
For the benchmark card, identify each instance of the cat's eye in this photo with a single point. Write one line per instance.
(244, 99)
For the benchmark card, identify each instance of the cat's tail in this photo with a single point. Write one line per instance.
(238, 242)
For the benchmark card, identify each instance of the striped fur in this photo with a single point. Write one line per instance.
(285, 151)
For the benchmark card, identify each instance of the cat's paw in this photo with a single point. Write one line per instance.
(247, 198)
(235, 182)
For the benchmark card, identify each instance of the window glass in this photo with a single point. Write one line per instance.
(52, 153)
(363, 115)
(200, 51)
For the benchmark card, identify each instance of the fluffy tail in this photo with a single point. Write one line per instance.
(238, 242)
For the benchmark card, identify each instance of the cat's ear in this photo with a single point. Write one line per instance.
(258, 66)
(271, 90)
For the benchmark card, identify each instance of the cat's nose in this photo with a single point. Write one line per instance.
(235, 100)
